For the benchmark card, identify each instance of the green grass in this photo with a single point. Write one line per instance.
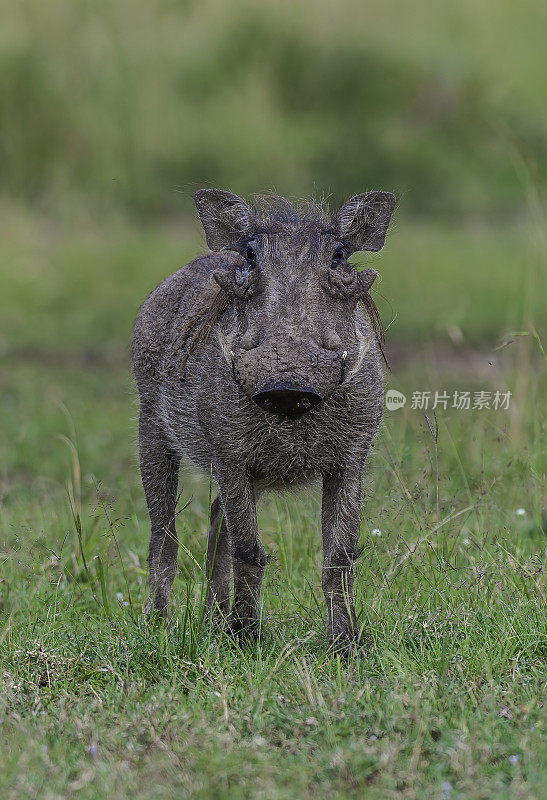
(447, 701)
(450, 689)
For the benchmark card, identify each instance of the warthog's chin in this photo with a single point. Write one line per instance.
(286, 399)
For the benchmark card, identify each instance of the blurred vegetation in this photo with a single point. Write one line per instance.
(133, 105)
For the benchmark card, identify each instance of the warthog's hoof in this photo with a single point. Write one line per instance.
(246, 629)
(217, 610)
(218, 614)
(347, 646)
(156, 609)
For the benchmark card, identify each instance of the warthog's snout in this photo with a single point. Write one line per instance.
(287, 400)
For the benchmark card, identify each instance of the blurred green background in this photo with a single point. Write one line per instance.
(128, 103)
(113, 113)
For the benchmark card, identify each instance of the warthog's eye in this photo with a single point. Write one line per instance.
(247, 274)
(250, 255)
(338, 257)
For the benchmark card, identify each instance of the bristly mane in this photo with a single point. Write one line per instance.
(377, 325)
(275, 211)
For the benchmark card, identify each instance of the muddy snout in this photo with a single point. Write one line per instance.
(287, 400)
(285, 376)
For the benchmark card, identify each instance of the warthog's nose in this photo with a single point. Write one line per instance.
(287, 400)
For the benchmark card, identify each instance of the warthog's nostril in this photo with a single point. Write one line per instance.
(286, 400)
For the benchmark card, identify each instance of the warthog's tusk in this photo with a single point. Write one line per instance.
(364, 346)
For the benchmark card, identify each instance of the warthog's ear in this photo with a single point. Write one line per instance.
(362, 222)
(225, 217)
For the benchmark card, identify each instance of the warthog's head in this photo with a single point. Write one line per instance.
(294, 337)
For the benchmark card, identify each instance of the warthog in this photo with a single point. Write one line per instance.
(261, 362)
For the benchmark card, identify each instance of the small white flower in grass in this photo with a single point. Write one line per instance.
(465, 542)
(376, 532)
(513, 759)
(520, 512)
(119, 595)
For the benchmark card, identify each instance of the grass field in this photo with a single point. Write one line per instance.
(447, 702)
(111, 115)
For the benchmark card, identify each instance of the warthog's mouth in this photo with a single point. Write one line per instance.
(287, 400)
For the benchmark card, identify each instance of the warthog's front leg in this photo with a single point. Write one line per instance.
(341, 515)
(248, 556)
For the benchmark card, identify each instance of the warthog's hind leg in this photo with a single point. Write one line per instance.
(248, 556)
(159, 472)
(219, 562)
